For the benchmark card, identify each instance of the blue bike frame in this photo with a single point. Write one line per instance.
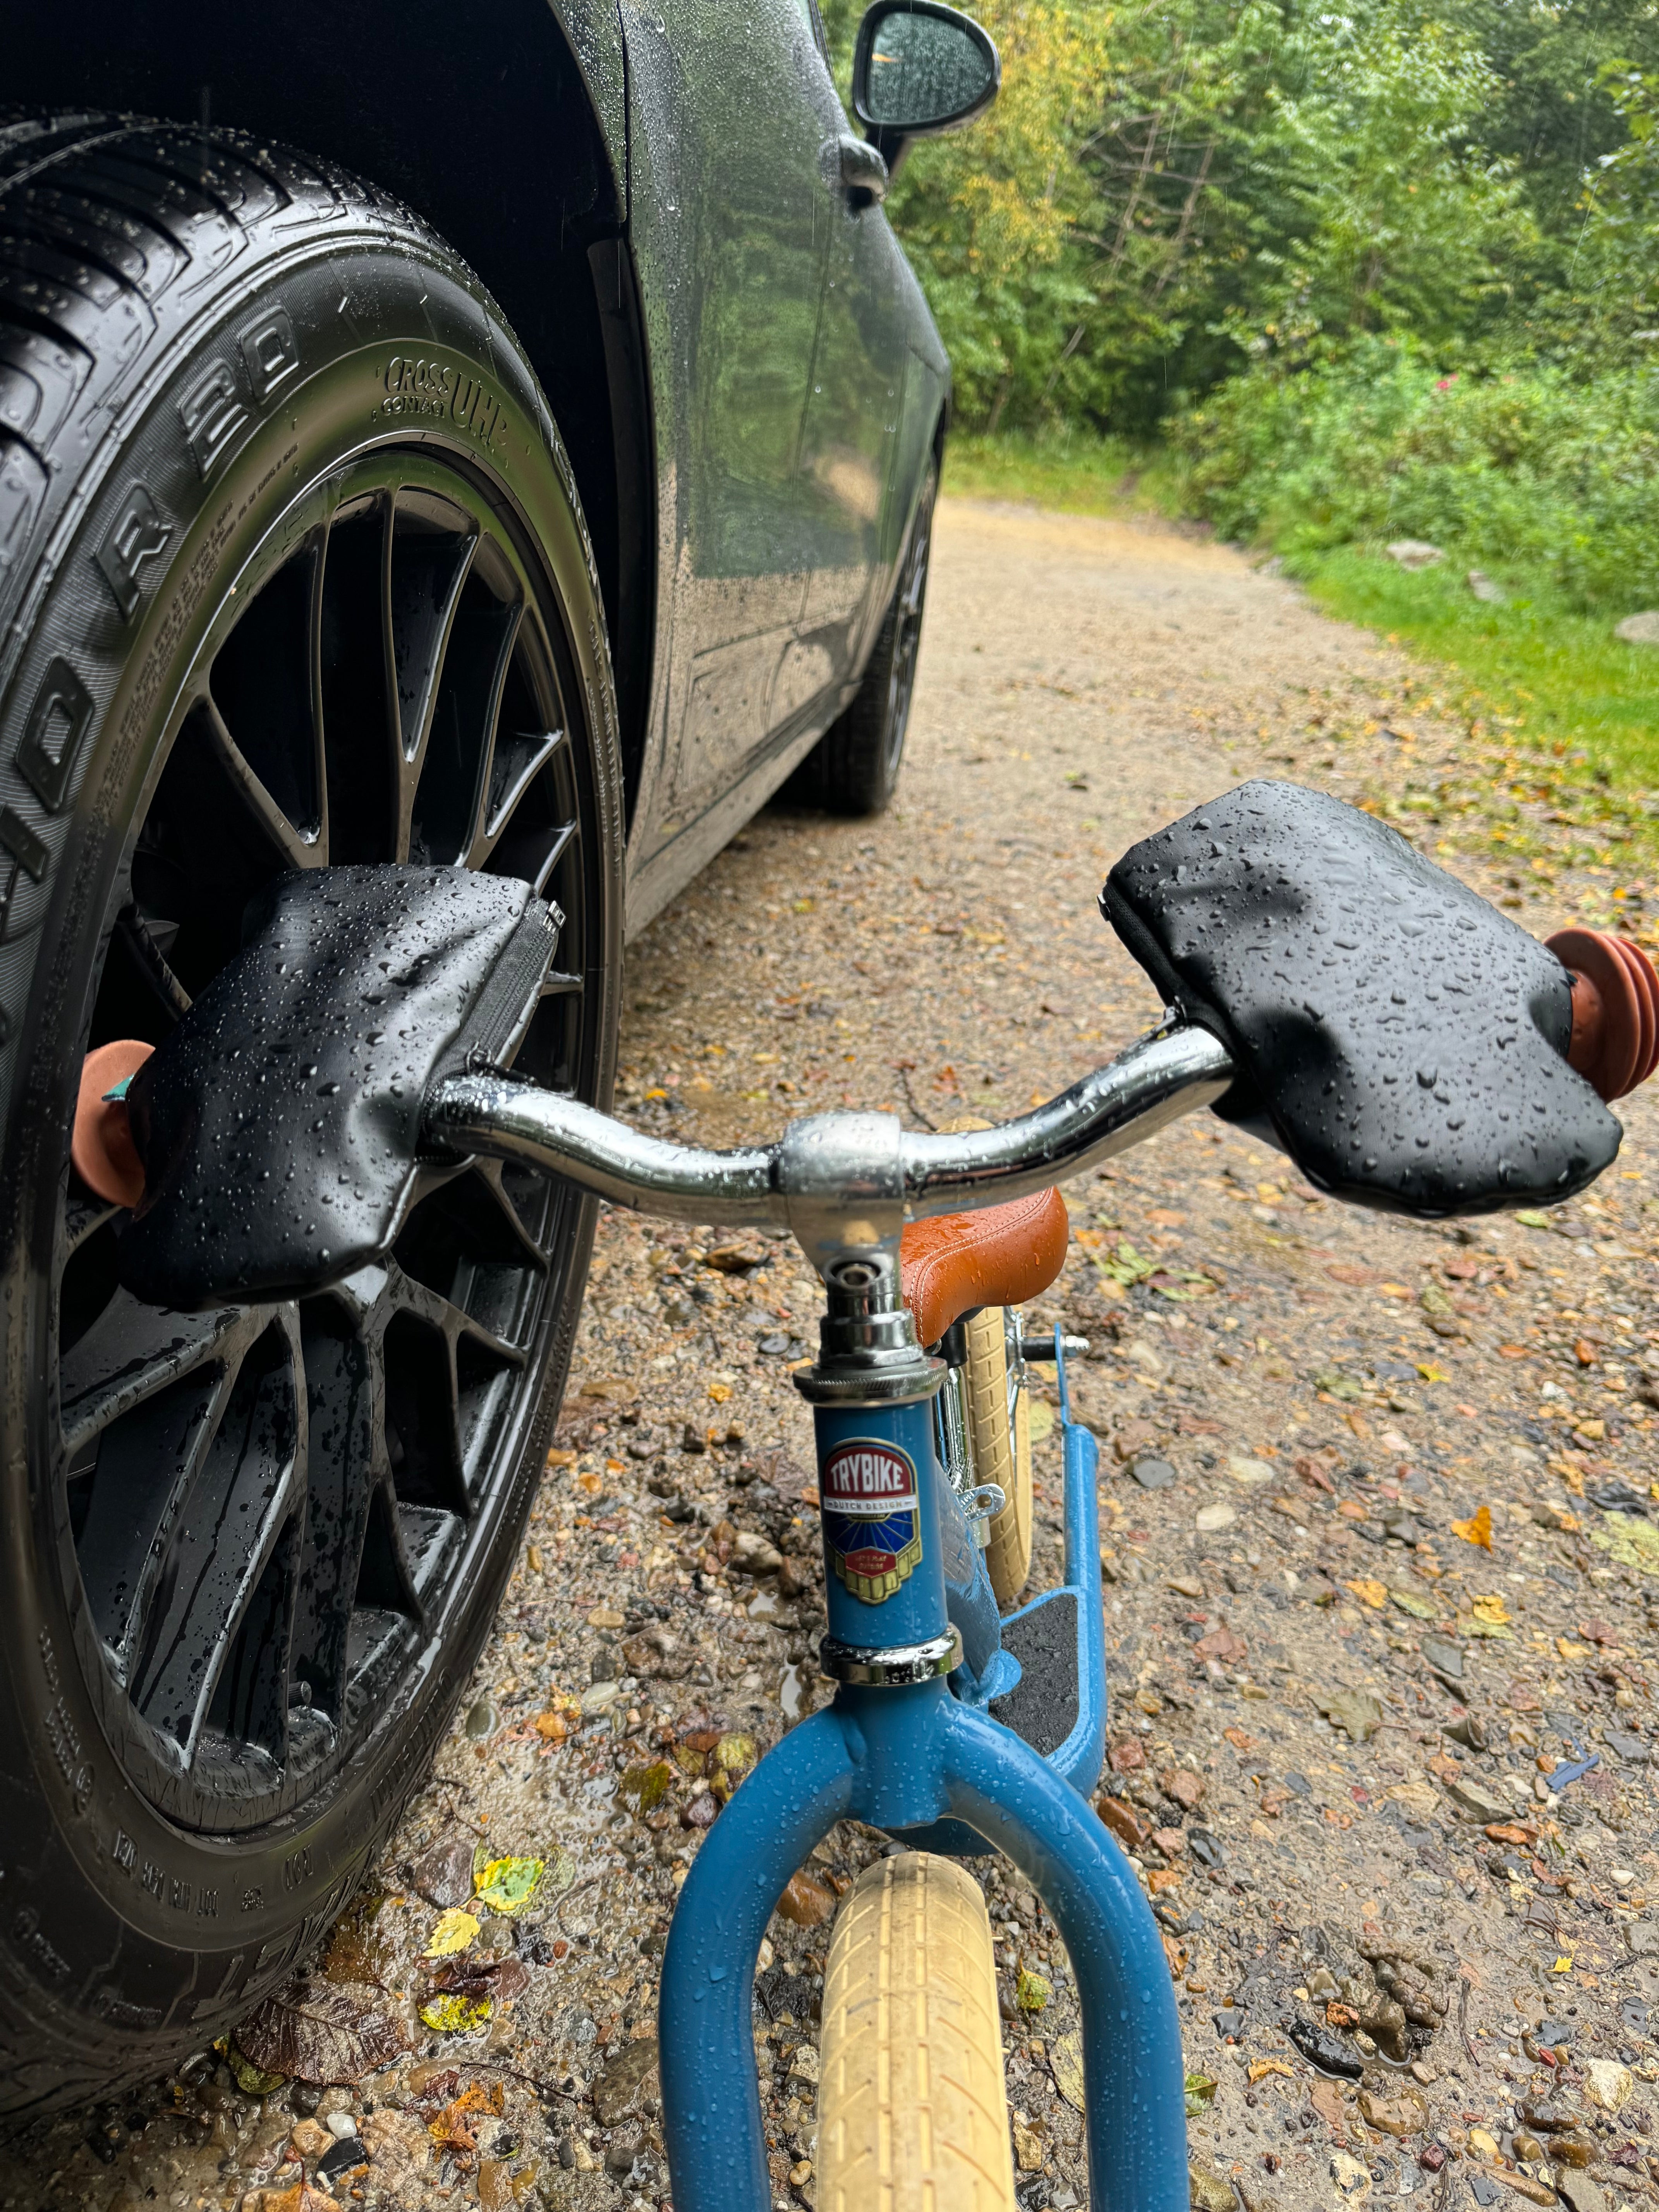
(925, 1760)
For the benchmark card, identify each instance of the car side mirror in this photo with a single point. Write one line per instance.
(919, 68)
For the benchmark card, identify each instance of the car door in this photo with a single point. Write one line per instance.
(731, 225)
(860, 472)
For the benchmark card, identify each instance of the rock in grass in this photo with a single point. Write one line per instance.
(1414, 553)
(1486, 589)
(1639, 629)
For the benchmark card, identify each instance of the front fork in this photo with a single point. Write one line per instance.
(908, 1598)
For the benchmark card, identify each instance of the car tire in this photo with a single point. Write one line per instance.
(293, 570)
(854, 767)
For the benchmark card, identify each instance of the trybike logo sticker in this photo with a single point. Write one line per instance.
(872, 1516)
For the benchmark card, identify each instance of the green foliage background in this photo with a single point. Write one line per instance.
(1383, 272)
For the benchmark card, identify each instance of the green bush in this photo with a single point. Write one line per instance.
(1545, 481)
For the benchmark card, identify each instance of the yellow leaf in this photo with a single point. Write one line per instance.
(1374, 1595)
(1563, 1964)
(506, 1885)
(1569, 1649)
(720, 1392)
(454, 2015)
(1043, 1420)
(1263, 2066)
(1432, 1373)
(452, 1931)
(1492, 1610)
(1477, 1529)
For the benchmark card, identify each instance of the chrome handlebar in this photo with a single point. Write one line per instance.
(840, 1182)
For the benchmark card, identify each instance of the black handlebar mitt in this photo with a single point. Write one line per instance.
(280, 1123)
(1404, 1039)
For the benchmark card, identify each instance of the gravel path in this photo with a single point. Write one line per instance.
(1331, 1711)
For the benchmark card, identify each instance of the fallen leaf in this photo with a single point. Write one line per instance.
(1032, 1991)
(1042, 1419)
(452, 1932)
(455, 2015)
(456, 2128)
(1531, 1220)
(1066, 2064)
(1263, 2066)
(720, 1392)
(1200, 2094)
(1238, 1739)
(322, 2031)
(1408, 1601)
(494, 1979)
(1492, 1609)
(253, 2081)
(1373, 1594)
(1627, 1538)
(643, 1789)
(1477, 1529)
(1354, 1710)
(506, 1885)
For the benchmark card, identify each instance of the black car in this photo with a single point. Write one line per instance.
(530, 474)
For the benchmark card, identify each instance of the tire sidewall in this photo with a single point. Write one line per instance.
(110, 1914)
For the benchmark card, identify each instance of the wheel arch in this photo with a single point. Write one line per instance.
(509, 138)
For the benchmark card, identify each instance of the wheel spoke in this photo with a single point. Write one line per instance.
(265, 700)
(426, 571)
(356, 709)
(134, 1352)
(230, 1563)
(348, 1490)
(450, 799)
(531, 851)
(145, 1468)
(515, 762)
(151, 962)
(298, 847)
(453, 1322)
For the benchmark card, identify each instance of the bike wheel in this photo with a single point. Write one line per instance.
(291, 573)
(999, 1437)
(911, 2112)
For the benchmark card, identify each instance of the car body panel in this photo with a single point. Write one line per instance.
(796, 377)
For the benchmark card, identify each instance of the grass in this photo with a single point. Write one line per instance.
(1553, 678)
(1066, 474)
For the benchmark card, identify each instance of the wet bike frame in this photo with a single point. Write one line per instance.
(915, 1645)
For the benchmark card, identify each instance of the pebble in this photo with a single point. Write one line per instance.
(1210, 1518)
(1640, 628)
(1250, 1473)
(1210, 2192)
(1608, 2084)
(807, 1901)
(1395, 2110)
(1353, 2181)
(1154, 1474)
(482, 1720)
(1322, 2048)
(1414, 553)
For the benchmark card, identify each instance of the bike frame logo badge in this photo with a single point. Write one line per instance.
(872, 1516)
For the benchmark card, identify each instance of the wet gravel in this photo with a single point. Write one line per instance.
(1377, 1524)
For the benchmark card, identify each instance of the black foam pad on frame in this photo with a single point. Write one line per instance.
(280, 1123)
(1403, 1038)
